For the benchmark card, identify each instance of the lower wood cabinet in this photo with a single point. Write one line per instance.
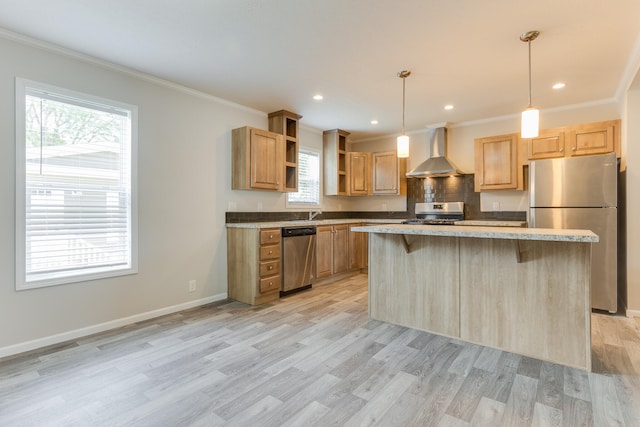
(357, 248)
(254, 264)
(332, 249)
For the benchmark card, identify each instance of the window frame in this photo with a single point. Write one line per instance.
(298, 205)
(22, 87)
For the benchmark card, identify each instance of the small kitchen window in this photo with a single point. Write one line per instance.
(75, 186)
(308, 195)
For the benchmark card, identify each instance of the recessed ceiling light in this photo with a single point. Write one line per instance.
(448, 107)
(559, 85)
(374, 122)
(318, 97)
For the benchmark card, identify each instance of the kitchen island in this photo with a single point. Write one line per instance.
(521, 290)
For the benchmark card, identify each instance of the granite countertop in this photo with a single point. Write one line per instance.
(302, 223)
(491, 223)
(513, 233)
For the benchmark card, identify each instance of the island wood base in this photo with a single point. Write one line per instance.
(529, 297)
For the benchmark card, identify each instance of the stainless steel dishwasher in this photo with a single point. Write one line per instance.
(298, 258)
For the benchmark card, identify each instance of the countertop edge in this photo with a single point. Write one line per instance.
(302, 223)
(513, 233)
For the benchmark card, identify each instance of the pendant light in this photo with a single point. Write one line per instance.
(530, 116)
(403, 140)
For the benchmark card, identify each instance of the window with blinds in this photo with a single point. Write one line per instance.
(308, 194)
(75, 210)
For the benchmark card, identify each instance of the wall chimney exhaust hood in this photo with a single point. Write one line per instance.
(437, 164)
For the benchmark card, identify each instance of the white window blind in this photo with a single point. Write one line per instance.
(75, 212)
(308, 194)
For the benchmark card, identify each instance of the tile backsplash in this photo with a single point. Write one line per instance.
(446, 189)
(454, 189)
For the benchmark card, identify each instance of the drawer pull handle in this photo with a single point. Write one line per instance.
(270, 284)
(270, 252)
(271, 236)
(573, 149)
(271, 267)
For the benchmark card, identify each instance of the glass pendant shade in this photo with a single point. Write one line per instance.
(403, 146)
(529, 127)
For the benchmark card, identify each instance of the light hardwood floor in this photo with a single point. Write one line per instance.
(312, 359)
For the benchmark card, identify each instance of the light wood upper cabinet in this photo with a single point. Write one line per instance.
(285, 123)
(595, 138)
(388, 173)
(581, 140)
(359, 173)
(385, 172)
(549, 144)
(335, 162)
(496, 163)
(257, 160)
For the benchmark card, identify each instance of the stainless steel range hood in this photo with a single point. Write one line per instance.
(437, 164)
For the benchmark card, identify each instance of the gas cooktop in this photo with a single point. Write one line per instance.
(433, 213)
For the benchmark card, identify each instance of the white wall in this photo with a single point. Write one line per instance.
(184, 181)
(631, 160)
(184, 191)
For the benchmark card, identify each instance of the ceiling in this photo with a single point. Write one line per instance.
(277, 54)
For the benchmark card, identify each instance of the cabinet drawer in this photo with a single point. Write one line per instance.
(270, 284)
(270, 236)
(269, 268)
(270, 252)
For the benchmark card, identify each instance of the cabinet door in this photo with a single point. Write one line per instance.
(385, 173)
(597, 138)
(266, 160)
(356, 247)
(359, 173)
(547, 145)
(340, 248)
(324, 251)
(496, 163)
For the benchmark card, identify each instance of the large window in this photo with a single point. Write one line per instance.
(75, 186)
(308, 194)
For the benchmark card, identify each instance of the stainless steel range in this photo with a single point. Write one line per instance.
(434, 213)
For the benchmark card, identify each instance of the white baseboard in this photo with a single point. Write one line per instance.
(632, 313)
(101, 327)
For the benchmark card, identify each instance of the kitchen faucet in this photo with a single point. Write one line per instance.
(314, 214)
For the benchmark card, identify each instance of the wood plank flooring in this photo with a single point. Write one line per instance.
(313, 359)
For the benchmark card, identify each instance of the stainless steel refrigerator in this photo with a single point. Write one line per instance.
(581, 193)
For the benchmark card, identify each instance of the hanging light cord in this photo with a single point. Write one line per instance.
(403, 86)
(529, 43)
(403, 75)
(528, 37)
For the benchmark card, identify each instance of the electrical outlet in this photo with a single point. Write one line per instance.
(192, 285)
(259, 207)
(496, 206)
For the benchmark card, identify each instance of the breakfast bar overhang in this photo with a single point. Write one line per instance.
(522, 290)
